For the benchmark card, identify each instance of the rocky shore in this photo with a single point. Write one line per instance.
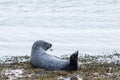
(101, 67)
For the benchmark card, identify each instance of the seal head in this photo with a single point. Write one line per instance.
(41, 44)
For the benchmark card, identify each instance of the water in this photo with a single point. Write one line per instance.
(90, 26)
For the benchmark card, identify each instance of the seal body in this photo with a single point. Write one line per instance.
(40, 59)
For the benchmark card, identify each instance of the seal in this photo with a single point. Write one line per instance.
(40, 59)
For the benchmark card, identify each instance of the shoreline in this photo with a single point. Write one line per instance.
(105, 67)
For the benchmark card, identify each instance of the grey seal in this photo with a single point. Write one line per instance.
(40, 59)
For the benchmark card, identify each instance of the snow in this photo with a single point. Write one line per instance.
(90, 26)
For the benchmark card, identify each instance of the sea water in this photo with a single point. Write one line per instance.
(90, 26)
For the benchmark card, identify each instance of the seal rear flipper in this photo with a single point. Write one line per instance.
(73, 61)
